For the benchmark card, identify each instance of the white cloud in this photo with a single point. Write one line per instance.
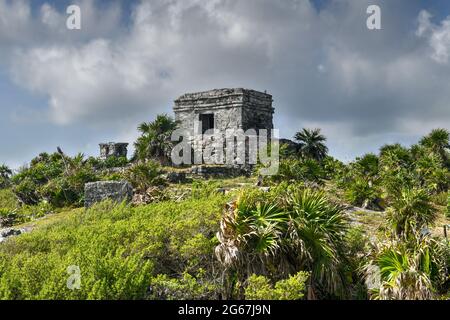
(438, 36)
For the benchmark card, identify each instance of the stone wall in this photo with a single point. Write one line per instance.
(232, 108)
(114, 190)
(113, 149)
(218, 171)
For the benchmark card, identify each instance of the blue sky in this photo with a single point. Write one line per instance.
(75, 89)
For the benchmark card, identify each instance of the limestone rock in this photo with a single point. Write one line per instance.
(115, 190)
(6, 233)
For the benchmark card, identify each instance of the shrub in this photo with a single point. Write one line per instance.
(447, 213)
(24, 213)
(187, 287)
(300, 231)
(56, 178)
(362, 193)
(294, 170)
(8, 200)
(5, 176)
(293, 288)
(410, 212)
(120, 250)
(409, 272)
(204, 189)
(145, 175)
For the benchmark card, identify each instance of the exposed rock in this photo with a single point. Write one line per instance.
(176, 177)
(115, 190)
(7, 233)
(112, 149)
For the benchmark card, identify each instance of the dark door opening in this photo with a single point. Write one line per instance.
(207, 121)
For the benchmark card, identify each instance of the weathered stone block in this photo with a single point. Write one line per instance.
(219, 171)
(115, 190)
(113, 149)
(235, 108)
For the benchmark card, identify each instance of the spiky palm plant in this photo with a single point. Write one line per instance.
(409, 271)
(410, 212)
(317, 232)
(154, 142)
(312, 144)
(306, 233)
(438, 141)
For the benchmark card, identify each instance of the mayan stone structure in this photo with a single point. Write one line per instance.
(113, 149)
(224, 109)
(117, 191)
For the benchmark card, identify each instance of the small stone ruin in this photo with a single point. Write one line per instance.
(113, 149)
(224, 112)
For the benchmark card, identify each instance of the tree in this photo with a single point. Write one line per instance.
(154, 142)
(411, 211)
(5, 176)
(312, 144)
(406, 273)
(438, 141)
(298, 230)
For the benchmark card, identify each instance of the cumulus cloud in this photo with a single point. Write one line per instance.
(323, 67)
(438, 36)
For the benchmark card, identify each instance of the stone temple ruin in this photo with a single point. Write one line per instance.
(227, 111)
(224, 109)
(113, 149)
(221, 109)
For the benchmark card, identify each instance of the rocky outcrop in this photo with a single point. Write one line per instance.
(114, 190)
(7, 233)
(113, 149)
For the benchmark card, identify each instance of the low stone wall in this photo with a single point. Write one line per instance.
(219, 171)
(115, 190)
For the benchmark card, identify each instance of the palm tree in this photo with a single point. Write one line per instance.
(312, 144)
(410, 212)
(154, 142)
(438, 141)
(5, 175)
(278, 237)
(404, 273)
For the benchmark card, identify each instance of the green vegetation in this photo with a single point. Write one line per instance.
(154, 142)
(312, 144)
(447, 213)
(5, 176)
(281, 232)
(123, 253)
(318, 229)
(260, 288)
